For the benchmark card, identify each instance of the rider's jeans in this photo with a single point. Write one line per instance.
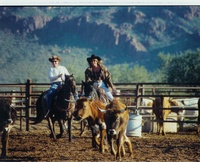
(100, 84)
(52, 93)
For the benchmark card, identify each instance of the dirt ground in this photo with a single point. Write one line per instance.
(36, 145)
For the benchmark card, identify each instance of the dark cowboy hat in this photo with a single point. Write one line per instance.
(54, 58)
(93, 57)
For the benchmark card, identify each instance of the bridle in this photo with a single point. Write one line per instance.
(68, 89)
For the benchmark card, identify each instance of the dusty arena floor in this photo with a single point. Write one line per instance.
(36, 145)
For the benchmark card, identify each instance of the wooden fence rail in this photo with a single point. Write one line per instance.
(24, 96)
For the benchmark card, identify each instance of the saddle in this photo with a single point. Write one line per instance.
(44, 103)
(102, 95)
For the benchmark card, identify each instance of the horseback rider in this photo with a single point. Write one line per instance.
(99, 75)
(56, 76)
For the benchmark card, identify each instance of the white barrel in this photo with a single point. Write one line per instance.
(134, 127)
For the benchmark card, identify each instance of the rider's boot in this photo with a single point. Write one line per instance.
(76, 95)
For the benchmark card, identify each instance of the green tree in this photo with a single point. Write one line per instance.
(139, 74)
(183, 68)
(126, 74)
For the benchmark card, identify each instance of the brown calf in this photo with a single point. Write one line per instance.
(117, 117)
(88, 108)
(161, 114)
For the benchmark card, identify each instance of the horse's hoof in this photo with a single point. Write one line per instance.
(94, 146)
(51, 135)
(58, 136)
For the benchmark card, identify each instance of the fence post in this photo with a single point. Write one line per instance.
(21, 109)
(28, 100)
(137, 97)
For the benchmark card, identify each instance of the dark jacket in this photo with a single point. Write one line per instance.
(104, 73)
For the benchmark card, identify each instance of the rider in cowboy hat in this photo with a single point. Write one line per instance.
(56, 76)
(100, 75)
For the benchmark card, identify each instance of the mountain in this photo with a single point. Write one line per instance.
(119, 34)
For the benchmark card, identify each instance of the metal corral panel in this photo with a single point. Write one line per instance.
(149, 126)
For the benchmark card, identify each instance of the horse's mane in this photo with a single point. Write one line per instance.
(70, 84)
(87, 88)
(91, 91)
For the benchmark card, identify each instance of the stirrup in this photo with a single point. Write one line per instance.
(47, 114)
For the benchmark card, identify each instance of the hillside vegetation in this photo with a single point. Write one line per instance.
(128, 39)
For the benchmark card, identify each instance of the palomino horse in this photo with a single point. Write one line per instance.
(7, 118)
(61, 109)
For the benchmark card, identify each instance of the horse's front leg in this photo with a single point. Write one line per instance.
(4, 141)
(60, 123)
(51, 127)
(70, 128)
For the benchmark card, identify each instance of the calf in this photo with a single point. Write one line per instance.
(161, 114)
(88, 108)
(7, 117)
(116, 118)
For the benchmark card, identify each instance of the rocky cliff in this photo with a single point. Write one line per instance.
(136, 33)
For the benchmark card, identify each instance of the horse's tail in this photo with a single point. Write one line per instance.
(39, 109)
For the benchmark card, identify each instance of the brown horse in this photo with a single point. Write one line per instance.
(61, 110)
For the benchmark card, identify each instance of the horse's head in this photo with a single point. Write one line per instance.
(70, 82)
(67, 92)
(88, 88)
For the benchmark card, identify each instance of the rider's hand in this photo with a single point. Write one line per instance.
(114, 91)
(60, 76)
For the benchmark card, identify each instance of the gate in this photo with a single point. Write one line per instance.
(24, 96)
